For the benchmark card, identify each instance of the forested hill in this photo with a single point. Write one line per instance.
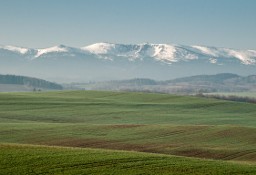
(29, 81)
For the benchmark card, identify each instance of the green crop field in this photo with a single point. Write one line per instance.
(27, 159)
(202, 129)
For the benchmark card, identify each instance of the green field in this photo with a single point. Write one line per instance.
(27, 159)
(162, 124)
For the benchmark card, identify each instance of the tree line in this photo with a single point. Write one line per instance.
(29, 81)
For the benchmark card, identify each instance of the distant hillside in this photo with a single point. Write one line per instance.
(218, 78)
(21, 83)
(116, 85)
(224, 82)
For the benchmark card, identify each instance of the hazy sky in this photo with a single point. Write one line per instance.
(44, 23)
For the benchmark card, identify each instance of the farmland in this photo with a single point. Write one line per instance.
(27, 159)
(82, 123)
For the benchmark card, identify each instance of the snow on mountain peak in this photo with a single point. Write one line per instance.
(59, 48)
(213, 60)
(206, 50)
(164, 52)
(158, 51)
(246, 57)
(161, 52)
(99, 48)
(20, 50)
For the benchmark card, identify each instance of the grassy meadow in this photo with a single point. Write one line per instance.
(69, 125)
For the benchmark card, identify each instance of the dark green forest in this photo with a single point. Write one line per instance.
(29, 81)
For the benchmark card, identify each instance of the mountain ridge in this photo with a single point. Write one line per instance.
(108, 61)
(169, 53)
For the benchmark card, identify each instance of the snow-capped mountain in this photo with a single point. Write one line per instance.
(115, 61)
(161, 52)
(171, 53)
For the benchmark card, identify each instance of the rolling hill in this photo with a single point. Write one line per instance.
(22, 83)
(195, 129)
(225, 82)
(29, 159)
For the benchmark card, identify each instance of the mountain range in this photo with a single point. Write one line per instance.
(108, 61)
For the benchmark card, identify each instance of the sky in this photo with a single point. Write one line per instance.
(45, 23)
